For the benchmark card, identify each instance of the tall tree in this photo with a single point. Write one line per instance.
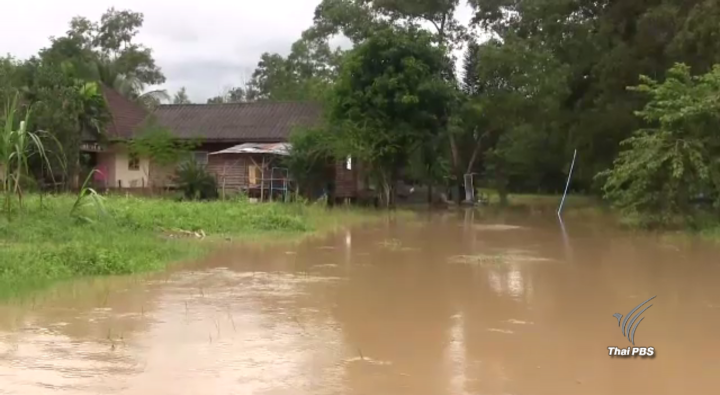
(390, 97)
(106, 51)
(239, 94)
(181, 97)
(606, 45)
(305, 74)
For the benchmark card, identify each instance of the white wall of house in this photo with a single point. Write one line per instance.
(127, 176)
(106, 164)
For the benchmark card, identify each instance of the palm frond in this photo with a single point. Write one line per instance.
(154, 98)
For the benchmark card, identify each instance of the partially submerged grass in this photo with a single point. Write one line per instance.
(711, 233)
(572, 201)
(503, 258)
(42, 243)
(576, 206)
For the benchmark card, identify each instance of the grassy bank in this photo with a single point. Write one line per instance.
(574, 204)
(42, 242)
(704, 226)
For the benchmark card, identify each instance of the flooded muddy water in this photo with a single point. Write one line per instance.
(448, 304)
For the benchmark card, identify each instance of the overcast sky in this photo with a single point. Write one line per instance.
(206, 46)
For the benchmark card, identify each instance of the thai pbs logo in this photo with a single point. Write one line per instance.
(628, 326)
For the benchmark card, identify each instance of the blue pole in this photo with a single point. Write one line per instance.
(567, 185)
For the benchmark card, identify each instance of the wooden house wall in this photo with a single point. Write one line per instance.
(233, 170)
(346, 181)
(230, 171)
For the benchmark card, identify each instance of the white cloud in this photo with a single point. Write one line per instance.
(205, 46)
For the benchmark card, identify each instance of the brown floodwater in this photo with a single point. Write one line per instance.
(447, 304)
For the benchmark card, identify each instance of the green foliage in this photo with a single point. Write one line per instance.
(354, 19)
(605, 46)
(312, 156)
(46, 244)
(84, 113)
(62, 84)
(87, 197)
(110, 44)
(157, 143)
(665, 166)
(106, 52)
(234, 95)
(196, 182)
(18, 146)
(304, 75)
(391, 96)
(181, 97)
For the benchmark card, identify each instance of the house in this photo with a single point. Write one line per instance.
(111, 158)
(238, 143)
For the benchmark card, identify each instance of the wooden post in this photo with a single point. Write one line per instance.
(262, 179)
(224, 173)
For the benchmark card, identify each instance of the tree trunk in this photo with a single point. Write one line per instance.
(458, 189)
(387, 192)
(470, 194)
(454, 154)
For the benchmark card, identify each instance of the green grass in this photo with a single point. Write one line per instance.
(711, 233)
(538, 200)
(589, 207)
(41, 244)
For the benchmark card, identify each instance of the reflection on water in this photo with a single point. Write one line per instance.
(452, 304)
(455, 356)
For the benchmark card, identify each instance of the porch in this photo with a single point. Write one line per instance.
(252, 169)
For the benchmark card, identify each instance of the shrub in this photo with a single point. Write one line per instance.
(195, 182)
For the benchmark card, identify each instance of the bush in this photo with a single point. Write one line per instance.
(195, 182)
(664, 169)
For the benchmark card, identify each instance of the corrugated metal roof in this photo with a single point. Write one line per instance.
(253, 148)
(126, 116)
(238, 122)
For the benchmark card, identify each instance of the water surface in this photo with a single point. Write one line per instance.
(449, 304)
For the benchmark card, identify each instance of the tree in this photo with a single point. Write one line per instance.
(471, 83)
(391, 96)
(664, 166)
(605, 45)
(216, 100)
(158, 144)
(10, 78)
(304, 75)
(239, 94)
(355, 19)
(312, 156)
(67, 107)
(181, 97)
(358, 19)
(106, 52)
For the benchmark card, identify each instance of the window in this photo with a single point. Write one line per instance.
(201, 157)
(253, 175)
(348, 163)
(133, 162)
